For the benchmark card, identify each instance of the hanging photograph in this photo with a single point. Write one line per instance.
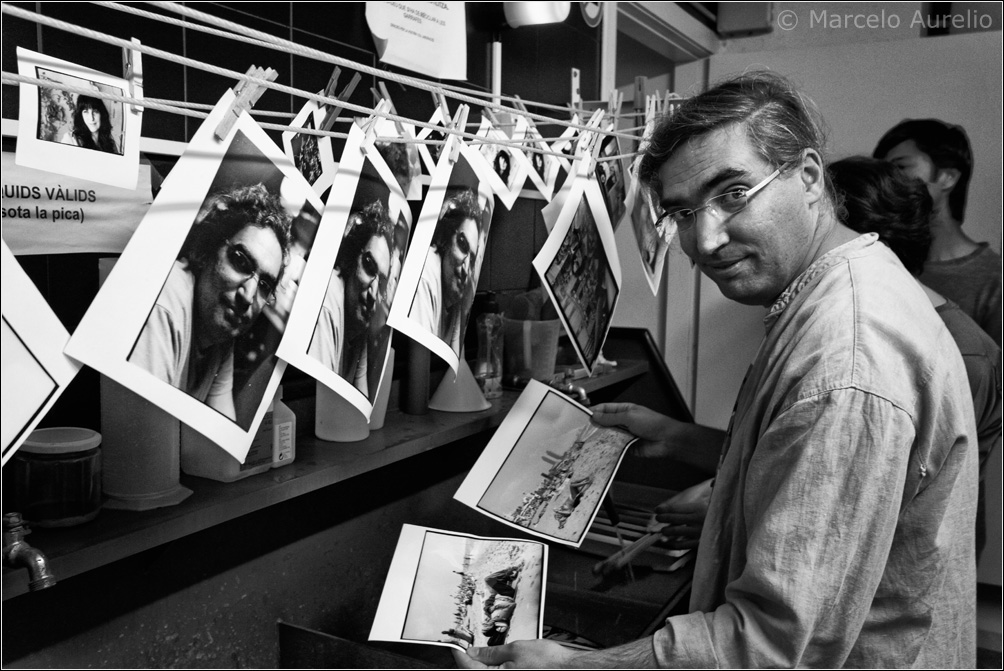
(77, 132)
(429, 152)
(311, 154)
(35, 371)
(543, 167)
(192, 314)
(653, 240)
(401, 157)
(437, 286)
(456, 590)
(338, 333)
(509, 165)
(547, 469)
(579, 268)
(610, 176)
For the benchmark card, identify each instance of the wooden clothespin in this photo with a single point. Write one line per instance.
(334, 111)
(460, 126)
(132, 66)
(246, 95)
(444, 109)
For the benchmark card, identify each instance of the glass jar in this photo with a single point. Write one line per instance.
(57, 477)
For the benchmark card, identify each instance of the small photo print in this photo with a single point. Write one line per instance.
(456, 590)
(509, 166)
(311, 154)
(610, 177)
(547, 468)
(80, 133)
(78, 119)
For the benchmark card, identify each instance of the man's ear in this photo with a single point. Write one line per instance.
(813, 176)
(947, 178)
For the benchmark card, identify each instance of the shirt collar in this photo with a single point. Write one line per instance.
(831, 258)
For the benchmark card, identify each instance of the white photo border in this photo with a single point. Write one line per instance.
(121, 170)
(118, 314)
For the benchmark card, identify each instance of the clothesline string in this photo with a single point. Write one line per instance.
(241, 33)
(320, 98)
(9, 78)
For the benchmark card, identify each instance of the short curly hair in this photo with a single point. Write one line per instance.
(229, 213)
(459, 205)
(371, 221)
(879, 197)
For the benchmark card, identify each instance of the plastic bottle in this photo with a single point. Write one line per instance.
(203, 458)
(488, 368)
(283, 432)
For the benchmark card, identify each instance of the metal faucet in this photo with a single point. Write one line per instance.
(17, 553)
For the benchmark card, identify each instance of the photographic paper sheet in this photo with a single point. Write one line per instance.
(338, 330)
(35, 370)
(579, 268)
(77, 134)
(401, 157)
(430, 152)
(509, 164)
(543, 167)
(48, 213)
(653, 242)
(448, 248)
(547, 469)
(610, 176)
(311, 154)
(430, 38)
(455, 590)
(192, 314)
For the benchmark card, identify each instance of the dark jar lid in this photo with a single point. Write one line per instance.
(61, 440)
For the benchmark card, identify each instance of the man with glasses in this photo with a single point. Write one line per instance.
(445, 290)
(227, 272)
(356, 288)
(839, 530)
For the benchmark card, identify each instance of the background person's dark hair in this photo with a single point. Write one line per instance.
(946, 144)
(459, 205)
(879, 197)
(83, 135)
(779, 122)
(229, 213)
(371, 221)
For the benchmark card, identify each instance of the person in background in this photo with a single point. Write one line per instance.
(879, 197)
(957, 267)
(356, 286)
(227, 272)
(840, 525)
(92, 126)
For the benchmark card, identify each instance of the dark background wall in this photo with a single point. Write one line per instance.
(537, 62)
(212, 599)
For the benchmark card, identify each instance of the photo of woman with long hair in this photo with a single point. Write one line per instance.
(92, 126)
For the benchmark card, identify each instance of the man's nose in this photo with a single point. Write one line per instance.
(709, 231)
(246, 292)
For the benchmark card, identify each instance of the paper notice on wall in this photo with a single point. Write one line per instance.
(48, 213)
(425, 37)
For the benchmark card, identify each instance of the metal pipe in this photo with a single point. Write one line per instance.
(18, 554)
